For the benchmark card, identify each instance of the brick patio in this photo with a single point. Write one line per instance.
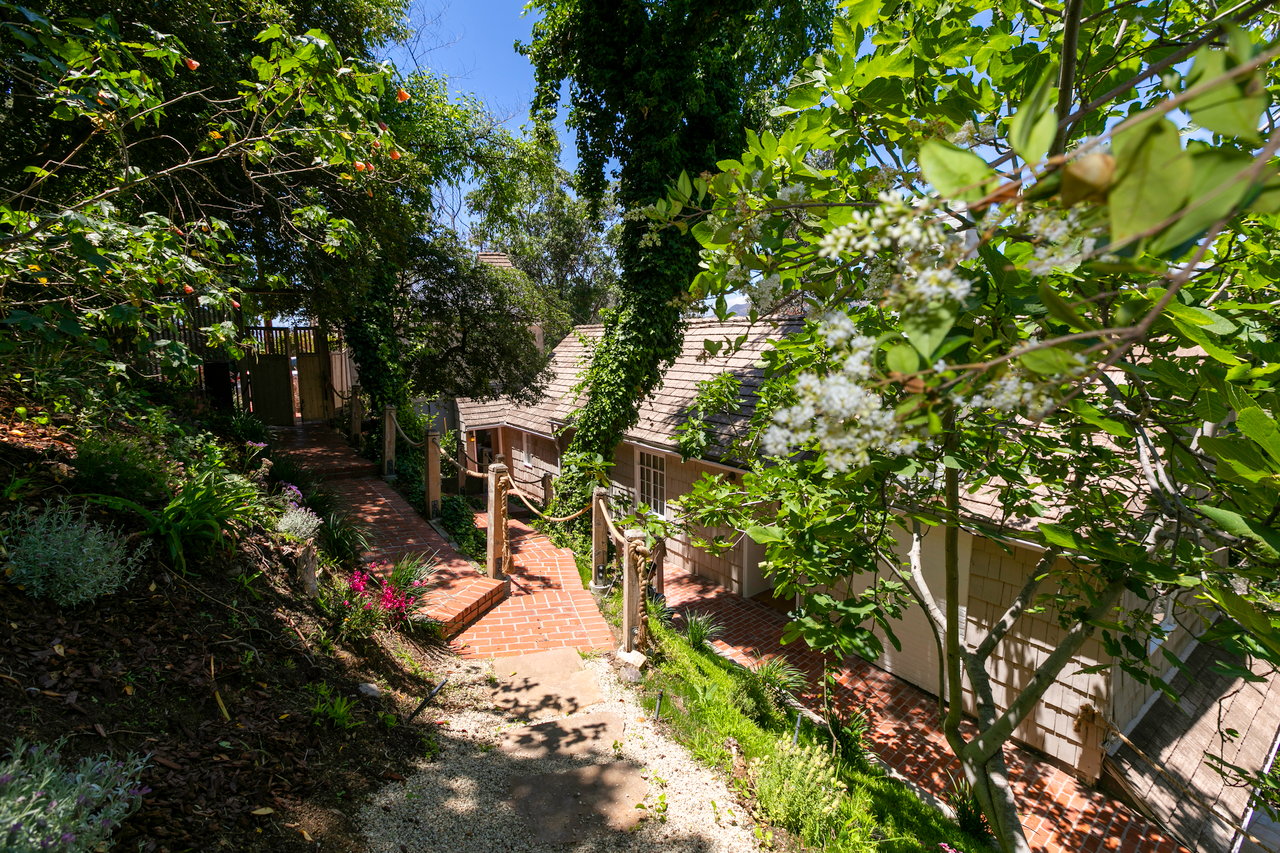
(1060, 814)
(547, 608)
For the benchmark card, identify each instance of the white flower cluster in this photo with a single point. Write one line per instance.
(1062, 244)
(792, 193)
(971, 134)
(762, 291)
(1010, 393)
(921, 250)
(836, 410)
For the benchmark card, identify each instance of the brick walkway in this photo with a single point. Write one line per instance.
(547, 608)
(456, 594)
(1060, 814)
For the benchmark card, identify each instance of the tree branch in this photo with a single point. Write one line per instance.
(1017, 607)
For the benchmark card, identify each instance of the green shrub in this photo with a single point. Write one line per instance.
(459, 519)
(799, 788)
(343, 538)
(124, 466)
(248, 427)
(284, 469)
(871, 812)
(60, 554)
(46, 806)
(961, 797)
(700, 629)
(851, 738)
(765, 692)
(408, 573)
(203, 517)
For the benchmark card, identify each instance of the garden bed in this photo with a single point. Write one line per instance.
(245, 700)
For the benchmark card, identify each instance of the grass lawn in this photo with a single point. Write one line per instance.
(829, 798)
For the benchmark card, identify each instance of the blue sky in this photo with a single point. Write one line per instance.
(471, 43)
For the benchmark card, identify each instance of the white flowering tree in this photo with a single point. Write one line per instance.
(1038, 245)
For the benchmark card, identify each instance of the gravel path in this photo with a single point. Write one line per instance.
(459, 801)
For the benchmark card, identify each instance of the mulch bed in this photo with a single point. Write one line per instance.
(214, 678)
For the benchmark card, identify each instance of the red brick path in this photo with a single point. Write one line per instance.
(1060, 814)
(456, 594)
(547, 608)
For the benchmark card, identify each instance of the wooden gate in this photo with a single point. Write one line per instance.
(314, 401)
(270, 380)
(288, 375)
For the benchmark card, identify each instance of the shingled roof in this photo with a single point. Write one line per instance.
(667, 407)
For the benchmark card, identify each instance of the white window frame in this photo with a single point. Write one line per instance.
(647, 475)
(526, 458)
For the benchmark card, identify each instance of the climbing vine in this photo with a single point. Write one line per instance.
(719, 395)
(662, 88)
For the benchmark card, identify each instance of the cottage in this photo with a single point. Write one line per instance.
(1074, 724)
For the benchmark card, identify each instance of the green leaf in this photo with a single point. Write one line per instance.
(1061, 309)
(902, 358)
(1153, 178)
(1049, 361)
(927, 329)
(1003, 272)
(1260, 427)
(864, 13)
(1237, 525)
(1231, 108)
(1260, 626)
(954, 172)
(1032, 130)
(1091, 414)
(1218, 185)
(1203, 317)
(1193, 331)
(765, 535)
(1240, 456)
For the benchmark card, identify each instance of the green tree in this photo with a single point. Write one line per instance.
(554, 237)
(660, 88)
(102, 247)
(1039, 247)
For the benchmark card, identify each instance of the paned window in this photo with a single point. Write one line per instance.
(651, 474)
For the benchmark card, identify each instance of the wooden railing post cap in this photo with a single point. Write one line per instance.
(601, 492)
(634, 534)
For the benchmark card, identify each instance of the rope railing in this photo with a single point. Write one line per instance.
(514, 491)
(517, 480)
(396, 420)
(338, 393)
(618, 538)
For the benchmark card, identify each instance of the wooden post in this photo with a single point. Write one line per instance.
(659, 562)
(307, 570)
(431, 474)
(632, 595)
(389, 441)
(599, 537)
(497, 521)
(357, 413)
